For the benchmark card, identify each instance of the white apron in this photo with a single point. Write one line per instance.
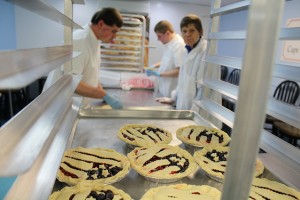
(191, 71)
(172, 58)
(88, 62)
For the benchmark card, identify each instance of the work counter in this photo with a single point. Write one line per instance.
(97, 128)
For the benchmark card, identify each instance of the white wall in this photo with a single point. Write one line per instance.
(172, 12)
(238, 21)
(34, 31)
(159, 10)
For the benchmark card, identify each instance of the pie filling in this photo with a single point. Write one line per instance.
(263, 188)
(207, 134)
(173, 160)
(98, 170)
(142, 135)
(102, 195)
(162, 161)
(217, 156)
(269, 189)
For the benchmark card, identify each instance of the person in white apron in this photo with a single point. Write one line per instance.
(168, 67)
(104, 26)
(192, 69)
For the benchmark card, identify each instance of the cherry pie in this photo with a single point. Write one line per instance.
(85, 191)
(262, 189)
(162, 162)
(213, 161)
(201, 136)
(93, 165)
(182, 192)
(144, 135)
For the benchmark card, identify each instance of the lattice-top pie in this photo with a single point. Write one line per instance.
(183, 192)
(162, 161)
(262, 189)
(213, 161)
(93, 165)
(202, 136)
(85, 191)
(144, 135)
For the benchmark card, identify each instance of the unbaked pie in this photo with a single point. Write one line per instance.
(201, 136)
(213, 161)
(262, 189)
(182, 192)
(85, 191)
(95, 165)
(144, 135)
(162, 162)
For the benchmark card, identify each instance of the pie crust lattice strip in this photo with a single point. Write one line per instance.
(262, 189)
(201, 136)
(182, 192)
(84, 191)
(213, 161)
(144, 135)
(162, 163)
(94, 165)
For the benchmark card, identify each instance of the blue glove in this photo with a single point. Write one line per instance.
(150, 72)
(112, 101)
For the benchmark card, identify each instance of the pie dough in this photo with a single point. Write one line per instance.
(144, 135)
(183, 192)
(213, 161)
(162, 162)
(202, 136)
(94, 165)
(85, 191)
(262, 189)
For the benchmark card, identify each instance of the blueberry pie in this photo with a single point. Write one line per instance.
(85, 191)
(183, 192)
(162, 162)
(144, 135)
(93, 165)
(201, 136)
(262, 189)
(213, 161)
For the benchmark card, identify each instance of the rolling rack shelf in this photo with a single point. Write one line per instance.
(34, 140)
(257, 69)
(127, 53)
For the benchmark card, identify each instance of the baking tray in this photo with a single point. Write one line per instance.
(98, 128)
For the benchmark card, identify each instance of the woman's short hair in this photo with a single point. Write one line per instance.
(163, 26)
(192, 19)
(110, 16)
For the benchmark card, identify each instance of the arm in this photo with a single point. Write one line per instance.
(86, 90)
(170, 73)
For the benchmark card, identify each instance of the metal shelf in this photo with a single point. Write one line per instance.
(130, 43)
(257, 67)
(45, 10)
(27, 135)
(21, 67)
(235, 7)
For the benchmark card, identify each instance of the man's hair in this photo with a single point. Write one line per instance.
(110, 16)
(163, 26)
(192, 19)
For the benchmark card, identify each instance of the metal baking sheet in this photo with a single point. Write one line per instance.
(98, 128)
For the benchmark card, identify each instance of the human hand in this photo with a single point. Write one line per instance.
(151, 72)
(112, 101)
(166, 100)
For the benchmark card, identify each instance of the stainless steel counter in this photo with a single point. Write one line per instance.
(98, 128)
(136, 99)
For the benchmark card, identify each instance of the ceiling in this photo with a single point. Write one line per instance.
(200, 2)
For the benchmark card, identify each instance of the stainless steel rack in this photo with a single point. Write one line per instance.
(34, 140)
(251, 96)
(128, 51)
